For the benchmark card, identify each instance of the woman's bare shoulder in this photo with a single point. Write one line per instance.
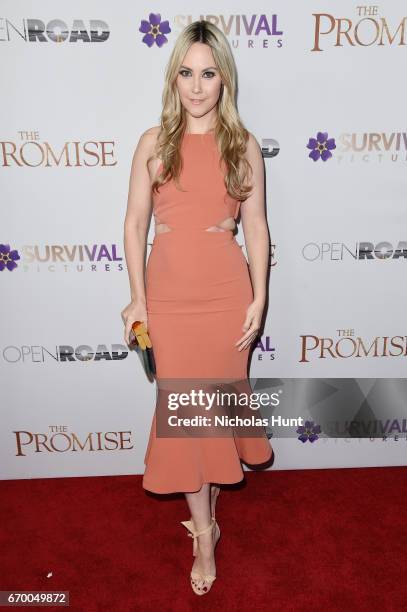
(152, 132)
(254, 155)
(148, 139)
(252, 146)
(147, 144)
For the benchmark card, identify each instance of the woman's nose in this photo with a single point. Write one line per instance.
(196, 86)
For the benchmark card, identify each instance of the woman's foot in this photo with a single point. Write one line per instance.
(204, 564)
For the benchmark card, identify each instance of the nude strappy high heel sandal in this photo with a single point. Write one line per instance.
(191, 527)
(196, 577)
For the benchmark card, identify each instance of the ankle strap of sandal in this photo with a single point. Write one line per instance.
(195, 534)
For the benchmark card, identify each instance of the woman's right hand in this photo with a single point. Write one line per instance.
(135, 311)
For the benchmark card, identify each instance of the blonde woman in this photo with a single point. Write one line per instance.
(196, 171)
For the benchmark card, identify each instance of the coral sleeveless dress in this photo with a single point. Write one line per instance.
(198, 289)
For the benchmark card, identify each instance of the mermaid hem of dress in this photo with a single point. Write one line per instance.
(197, 487)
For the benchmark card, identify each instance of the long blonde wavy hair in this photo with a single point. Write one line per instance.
(230, 133)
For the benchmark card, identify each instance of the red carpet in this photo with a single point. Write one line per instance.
(291, 540)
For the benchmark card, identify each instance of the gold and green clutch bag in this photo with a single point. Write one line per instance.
(139, 336)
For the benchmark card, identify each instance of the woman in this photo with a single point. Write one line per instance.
(201, 307)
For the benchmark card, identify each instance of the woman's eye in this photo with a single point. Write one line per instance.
(208, 72)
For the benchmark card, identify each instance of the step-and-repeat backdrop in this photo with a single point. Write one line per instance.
(321, 89)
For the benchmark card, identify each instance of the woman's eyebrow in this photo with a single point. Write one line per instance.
(209, 68)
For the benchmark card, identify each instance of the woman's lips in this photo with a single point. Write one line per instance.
(196, 101)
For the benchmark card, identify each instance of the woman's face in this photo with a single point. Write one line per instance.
(198, 80)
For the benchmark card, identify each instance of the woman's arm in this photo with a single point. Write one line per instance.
(254, 223)
(137, 218)
(135, 231)
(257, 242)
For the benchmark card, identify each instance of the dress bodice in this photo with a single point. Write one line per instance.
(204, 200)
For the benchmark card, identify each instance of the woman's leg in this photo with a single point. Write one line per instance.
(215, 490)
(200, 506)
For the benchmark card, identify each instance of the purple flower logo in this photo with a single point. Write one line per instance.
(321, 146)
(8, 258)
(308, 431)
(154, 30)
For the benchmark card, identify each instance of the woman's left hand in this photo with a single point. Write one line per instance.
(252, 324)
